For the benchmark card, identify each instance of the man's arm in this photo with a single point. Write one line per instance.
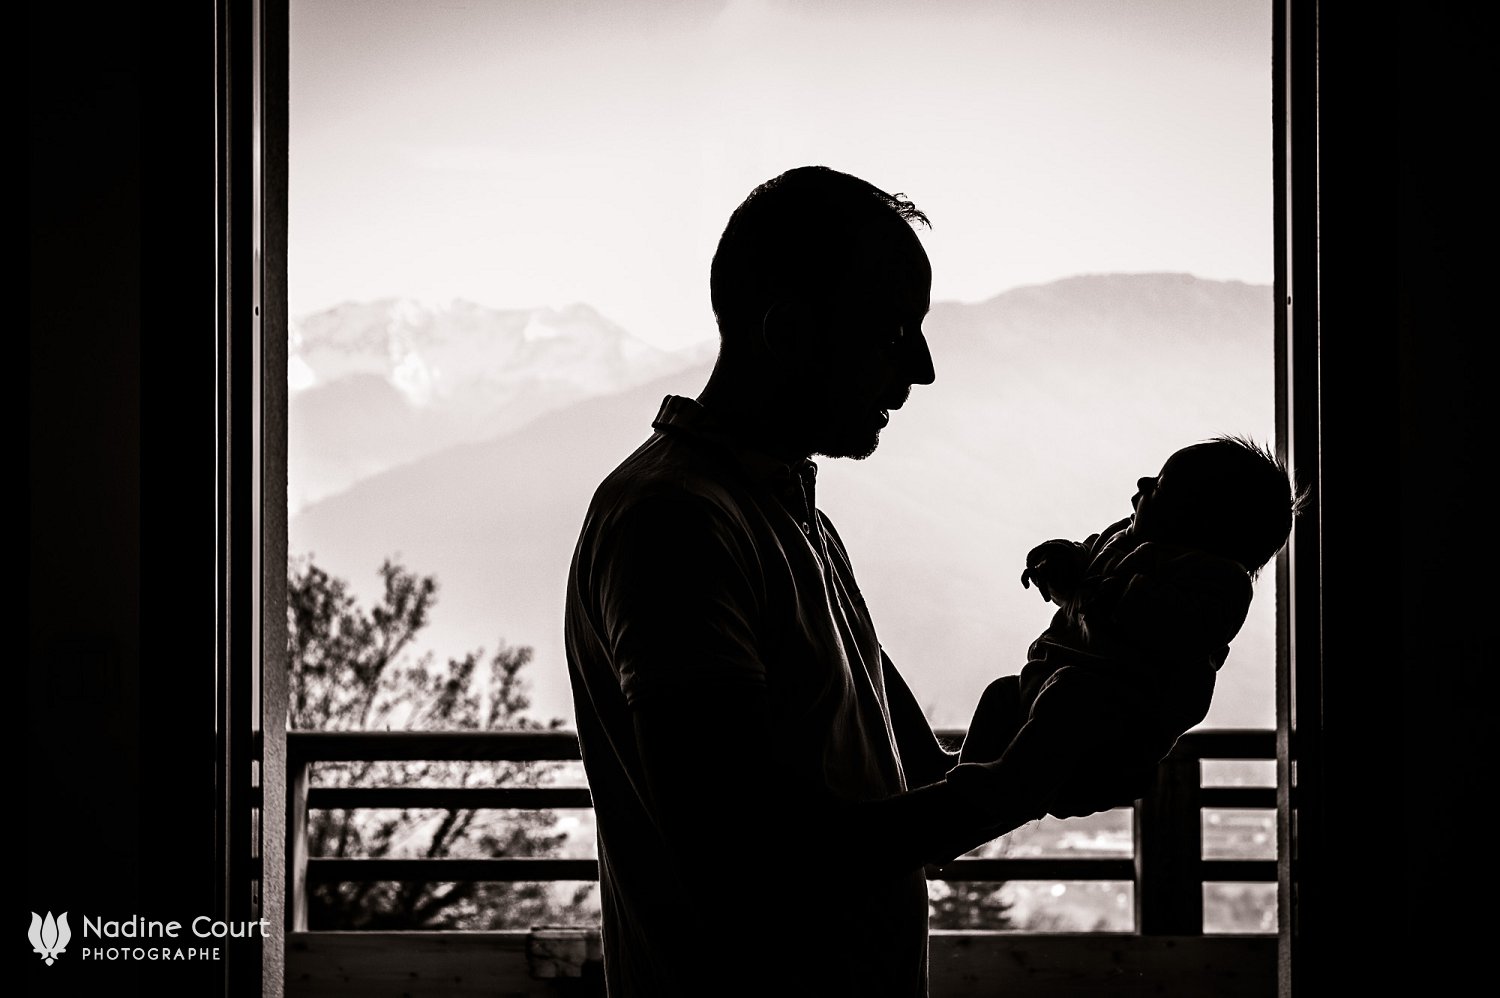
(706, 757)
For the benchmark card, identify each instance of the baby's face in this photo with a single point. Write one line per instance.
(1159, 500)
(1141, 502)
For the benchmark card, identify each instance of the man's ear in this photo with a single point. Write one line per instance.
(792, 334)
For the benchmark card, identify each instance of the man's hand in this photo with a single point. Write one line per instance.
(1056, 568)
(1115, 783)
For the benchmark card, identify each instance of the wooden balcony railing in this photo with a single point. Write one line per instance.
(306, 748)
(1168, 872)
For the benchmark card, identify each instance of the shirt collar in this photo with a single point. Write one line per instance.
(689, 418)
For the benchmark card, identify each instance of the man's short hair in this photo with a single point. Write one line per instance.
(792, 236)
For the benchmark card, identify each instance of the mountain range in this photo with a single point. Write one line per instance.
(381, 383)
(467, 443)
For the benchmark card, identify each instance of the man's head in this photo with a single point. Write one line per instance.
(1229, 496)
(819, 286)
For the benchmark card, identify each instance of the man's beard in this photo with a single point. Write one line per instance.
(857, 442)
(846, 427)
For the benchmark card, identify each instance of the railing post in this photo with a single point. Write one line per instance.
(1169, 851)
(298, 780)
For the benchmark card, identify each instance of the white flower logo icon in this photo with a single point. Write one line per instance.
(49, 937)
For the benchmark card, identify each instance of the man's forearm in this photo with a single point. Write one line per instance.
(715, 791)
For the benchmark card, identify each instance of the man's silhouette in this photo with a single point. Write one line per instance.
(766, 786)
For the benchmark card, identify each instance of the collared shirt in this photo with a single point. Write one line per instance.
(704, 566)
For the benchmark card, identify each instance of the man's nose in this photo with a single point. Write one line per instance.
(919, 370)
(1144, 484)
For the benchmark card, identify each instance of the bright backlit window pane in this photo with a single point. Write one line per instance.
(501, 221)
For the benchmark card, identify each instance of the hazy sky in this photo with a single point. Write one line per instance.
(539, 152)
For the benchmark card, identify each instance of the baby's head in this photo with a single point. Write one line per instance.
(1228, 496)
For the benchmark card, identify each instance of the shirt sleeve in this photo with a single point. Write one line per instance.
(679, 602)
(924, 760)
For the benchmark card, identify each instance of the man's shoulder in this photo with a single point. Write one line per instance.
(667, 470)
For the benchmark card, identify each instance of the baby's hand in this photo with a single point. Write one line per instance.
(1055, 567)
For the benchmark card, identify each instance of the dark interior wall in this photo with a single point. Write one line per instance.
(1432, 521)
(1394, 842)
(119, 472)
(120, 463)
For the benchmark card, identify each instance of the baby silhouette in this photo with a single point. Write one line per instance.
(1147, 608)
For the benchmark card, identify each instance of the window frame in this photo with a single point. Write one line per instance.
(252, 117)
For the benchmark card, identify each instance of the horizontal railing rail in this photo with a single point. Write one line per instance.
(468, 798)
(1167, 869)
(441, 870)
(432, 746)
